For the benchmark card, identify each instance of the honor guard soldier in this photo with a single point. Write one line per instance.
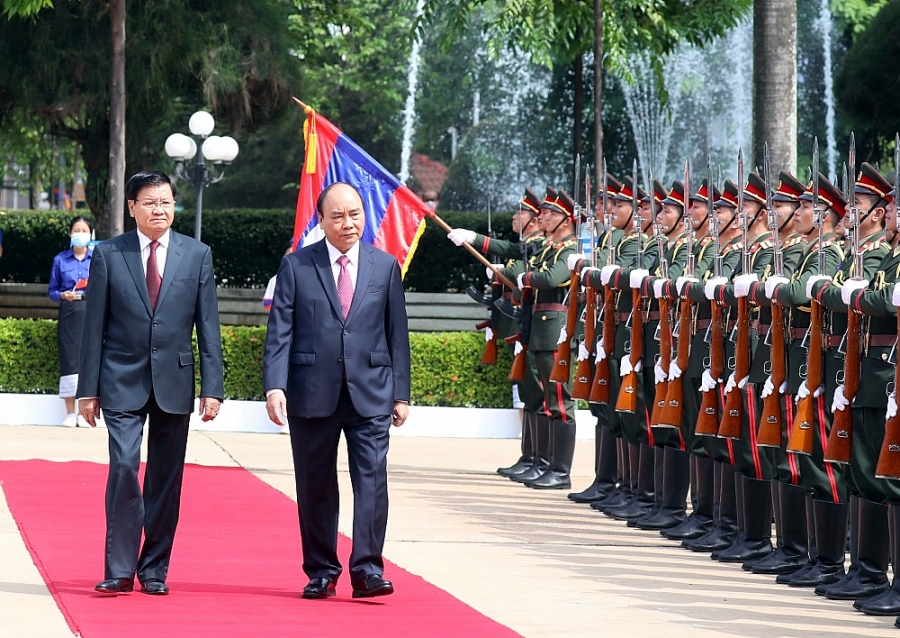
(826, 504)
(869, 547)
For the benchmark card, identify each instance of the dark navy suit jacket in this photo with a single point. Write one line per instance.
(310, 348)
(127, 349)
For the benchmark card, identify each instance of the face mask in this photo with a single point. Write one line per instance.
(80, 240)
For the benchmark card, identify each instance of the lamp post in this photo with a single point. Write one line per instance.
(215, 153)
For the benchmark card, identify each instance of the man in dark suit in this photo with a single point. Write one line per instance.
(337, 359)
(147, 291)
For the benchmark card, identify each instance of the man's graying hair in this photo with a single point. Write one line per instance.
(320, 202)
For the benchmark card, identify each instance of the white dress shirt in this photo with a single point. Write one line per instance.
(334, 254)
(161, 251)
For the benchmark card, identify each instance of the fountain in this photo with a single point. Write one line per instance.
(409, 111)
(823, 26)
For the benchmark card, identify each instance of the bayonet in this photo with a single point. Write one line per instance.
(713, 221)
(742, 217)
(818, 213)
(854, 212)
(778, 259)
(688, 223)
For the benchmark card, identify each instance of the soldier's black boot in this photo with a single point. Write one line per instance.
(793, 554)
(812, 552)
(557, 476)
(775, 489)
(830, 542)
(622, 494)
(887, 603)
(703, 495)
(854, 547)
(643, 499)
(739, 538)
(725, 531)
(630, 464)
(677, 479)
(659, 479)
(757, 524)
(604, 468)
(527, 459)
(873, 555)
(542, 448)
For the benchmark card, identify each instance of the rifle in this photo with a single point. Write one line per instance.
(889, 461)
(772, 419)
(581, 389)
(628, 392)
(562, 367)
(671, 415)
(732, 420)
(600, 387)
(665, 321)
(517, 372)
(708, 417)
(840, 440)
(803, 434)
(490, 346)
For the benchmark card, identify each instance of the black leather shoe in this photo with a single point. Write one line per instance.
(115, 586)
(155, 587)
(318, 588)
(371, 586)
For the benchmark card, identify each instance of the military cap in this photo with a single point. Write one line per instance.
(702, 195)
(659, 193)
(789, 188)
(755, 191)
(613, 186)
(829, 194)
(626, 193)
(531, 202)
(550, 198)
(566, 205)
(871, 182)
(729, 198)
(675, 195)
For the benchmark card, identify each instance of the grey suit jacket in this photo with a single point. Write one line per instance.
(127, 349)
(310, 348)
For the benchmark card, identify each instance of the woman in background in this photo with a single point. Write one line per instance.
(68, 280)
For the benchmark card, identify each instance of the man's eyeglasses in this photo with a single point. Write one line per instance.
(153, 204)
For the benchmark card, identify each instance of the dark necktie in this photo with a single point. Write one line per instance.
(153, 278)
(345, 286)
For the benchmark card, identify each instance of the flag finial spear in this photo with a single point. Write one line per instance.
(303, 106)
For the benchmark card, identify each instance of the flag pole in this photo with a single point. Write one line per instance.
(506, 281)
(303, 106)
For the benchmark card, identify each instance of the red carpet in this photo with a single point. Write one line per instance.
(236, 566)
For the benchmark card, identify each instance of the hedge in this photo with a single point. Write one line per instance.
(247, 246)
(446, 367)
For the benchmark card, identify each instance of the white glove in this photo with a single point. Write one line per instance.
(707, 382)
(625, 366)
(812, 282)
(601, 353)
(840, 401)
(681, 281)
(490, 272)
(773, 282)
(657, 288)
(742, 284)
(709, 288)
(583, 353)
(731, 385)
(674, 371)
(574, 259)
(850, 286)
(606, 272)
(892, 405)
(895, 297)
(488, 334)
(460, 236)
(637, 277)
(563, 337)
(518, 349)
(659, 375)
(803, 391)
(519, 283)
(768, 388)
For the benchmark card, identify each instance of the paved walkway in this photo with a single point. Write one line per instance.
(531, 560)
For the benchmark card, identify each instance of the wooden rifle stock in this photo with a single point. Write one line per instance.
(628, 392)
(600, 388)
(489, 358)
(803, 432)
(517, 373)
(665, 359)
(771, 421)
(708, 419)
(732, 422)
(840, 440)
(562, 367)
(889, 460)
(581, 388)
(672, 413)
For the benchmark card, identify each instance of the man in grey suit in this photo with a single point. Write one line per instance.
(337, 359)
(146, 292)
